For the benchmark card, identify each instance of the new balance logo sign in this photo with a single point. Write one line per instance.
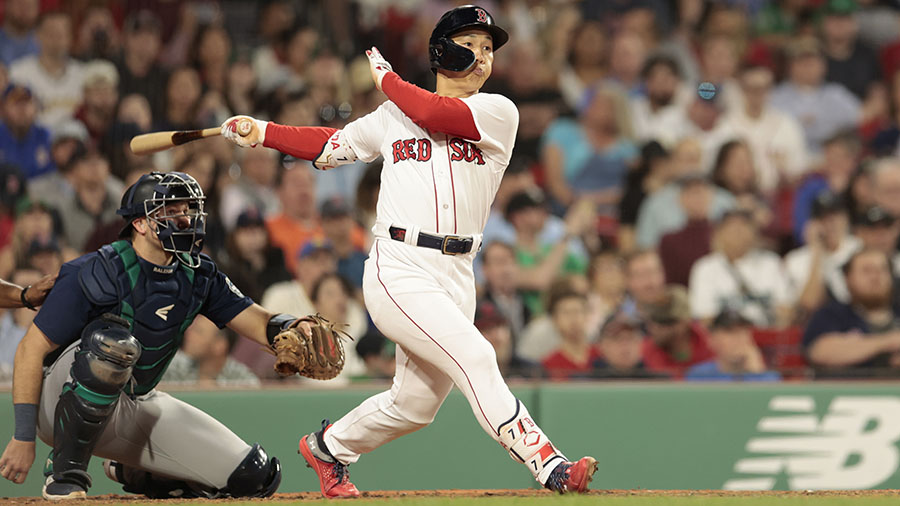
(163, 312)
(853, 446)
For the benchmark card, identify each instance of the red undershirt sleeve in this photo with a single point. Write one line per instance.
(300, 142)
(449, 115)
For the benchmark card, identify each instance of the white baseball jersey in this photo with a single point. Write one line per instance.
(439, 183)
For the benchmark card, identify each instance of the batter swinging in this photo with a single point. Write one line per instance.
(444, 155)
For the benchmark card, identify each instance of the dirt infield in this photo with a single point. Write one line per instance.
(393, 494)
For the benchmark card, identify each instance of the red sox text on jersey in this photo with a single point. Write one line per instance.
(420, 150)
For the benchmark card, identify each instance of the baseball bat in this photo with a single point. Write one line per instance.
(146, 144)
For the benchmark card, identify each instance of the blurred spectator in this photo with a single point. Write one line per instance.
(775, 138)
(685, 246)
(91, 205)
(586, 62)
(34, 221)
(740, 276)
(17, 35)
(203, 359)
(620, 345)
(859, 337)
(719, 65)
(375, 351)
(814, 270)
(501, 278)
(332, 297)
(12, 188)
(182, 101)
(849, 61)
(495, 328)
(737, 358)
(735, 171)
(540, 262)
(658, 114)
(55, 78)
(240, 88)
(298, 221)
(340, 229)
(14, 322)
(540, 337)
(44, 256)
(645, 282)
(606, 276)
(589, 158)
(101, 95)
(627, 54)
(662, 211)
(576, 355)
(138, 69)
(283, 66)
(67, 143)
(255, 188)
(841, 153)
(251, 262)
(98, 36)
(23, 142)
(212, 50)
(201, 164)
(705, 121)
(653, 171)
(674, 342)
(821, 107)
(366, 197)
(886, 184)
(860, 193)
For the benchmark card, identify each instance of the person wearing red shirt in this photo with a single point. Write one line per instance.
(576, 355)
(674, 342)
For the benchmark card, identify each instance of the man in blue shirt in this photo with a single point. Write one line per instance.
(106, 335)
(23, 142)
(737, 356)
(17, 37)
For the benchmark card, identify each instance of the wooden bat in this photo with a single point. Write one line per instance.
(146, 144)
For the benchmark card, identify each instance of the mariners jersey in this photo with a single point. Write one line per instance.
(437, 182)
(158, 301)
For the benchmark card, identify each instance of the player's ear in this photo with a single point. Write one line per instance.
(140, 226)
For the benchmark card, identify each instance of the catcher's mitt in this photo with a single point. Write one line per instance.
(320, 356)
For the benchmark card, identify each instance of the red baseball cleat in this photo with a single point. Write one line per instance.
(569, 477)
(334, 478)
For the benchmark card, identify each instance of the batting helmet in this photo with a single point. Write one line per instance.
(150, 195)
(448, 55)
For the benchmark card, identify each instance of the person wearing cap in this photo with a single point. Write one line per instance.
(251, 261)
(859, 337)
(541, 263)
(17, 35)
(737, 358)
(496, 328)
(53, 75)
(23, 142)
(823, 108)
(101, 95)
(814, 270)
(675, 341)
(621, 348)
(740, 275)
(850, 62)
(774, 137)
(338, 226)
(576, 355)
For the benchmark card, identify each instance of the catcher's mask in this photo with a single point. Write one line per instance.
(448, 55)
(156, 196)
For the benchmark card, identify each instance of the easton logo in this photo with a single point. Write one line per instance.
(852, 446)
(163, 312)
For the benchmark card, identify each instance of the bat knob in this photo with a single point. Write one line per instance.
(244, 127)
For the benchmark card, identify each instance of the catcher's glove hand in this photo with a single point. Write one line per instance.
(319, 356)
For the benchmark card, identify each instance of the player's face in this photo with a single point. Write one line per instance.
(480, 43)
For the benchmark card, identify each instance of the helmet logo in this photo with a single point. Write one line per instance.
(482, 16)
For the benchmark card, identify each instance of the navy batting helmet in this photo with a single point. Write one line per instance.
(150, 195)
(448, 55)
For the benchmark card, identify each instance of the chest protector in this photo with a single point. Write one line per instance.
(159, 303)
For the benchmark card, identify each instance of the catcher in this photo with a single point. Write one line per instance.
(86, 371)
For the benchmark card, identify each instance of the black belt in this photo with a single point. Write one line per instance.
(447, 244)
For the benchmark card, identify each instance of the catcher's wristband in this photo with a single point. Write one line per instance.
(277, 323)
(24, 299)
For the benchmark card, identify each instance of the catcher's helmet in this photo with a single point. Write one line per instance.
(448, 55)
(150, 195)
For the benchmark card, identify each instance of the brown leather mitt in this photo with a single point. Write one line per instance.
(320, 356)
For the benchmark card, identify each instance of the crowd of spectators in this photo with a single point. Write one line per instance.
(692, 180)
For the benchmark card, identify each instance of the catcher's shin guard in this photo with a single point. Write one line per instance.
(102, 367)
(258, 475)
(527, 444)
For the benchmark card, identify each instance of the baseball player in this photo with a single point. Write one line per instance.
(85, 373)
(444, 155)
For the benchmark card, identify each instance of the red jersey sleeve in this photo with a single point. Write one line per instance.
(300, 142)
(448, 115)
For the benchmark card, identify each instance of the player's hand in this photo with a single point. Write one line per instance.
(378, 65)
(16, 460)
(37, 293)
(233, 131)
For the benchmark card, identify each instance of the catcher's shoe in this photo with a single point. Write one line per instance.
(72, 484)
(571, 477)
(334, 478)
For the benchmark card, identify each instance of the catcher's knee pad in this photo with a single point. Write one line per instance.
(106, 357)
(258, 475)
(527, 443)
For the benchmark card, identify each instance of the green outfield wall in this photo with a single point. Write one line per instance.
(651, 436)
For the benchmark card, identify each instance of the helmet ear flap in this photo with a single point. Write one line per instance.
(449, 55)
